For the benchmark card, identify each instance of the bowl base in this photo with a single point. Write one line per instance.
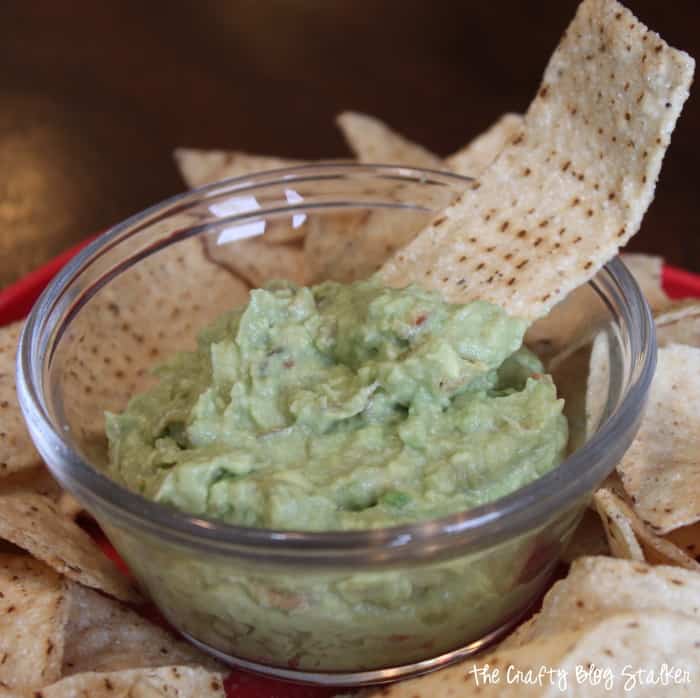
(362, 678)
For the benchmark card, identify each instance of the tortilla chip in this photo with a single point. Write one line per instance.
(562, 198)
(597, 587)
(629, 537)
(621, 642)
(200, 167)
(165, 682)
(373, 141)
(661, 470)
(17, 451)
(347, 247)
(679, 325)
(647, 271)
(104, 635)
(40, 481)
(34, 523)
(478, 154)
(149, 312)
(618, 527)
(33, 615)
(256, 262)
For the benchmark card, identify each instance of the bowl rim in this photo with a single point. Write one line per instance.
(476, 528)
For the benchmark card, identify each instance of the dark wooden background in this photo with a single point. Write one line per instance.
(95, 95)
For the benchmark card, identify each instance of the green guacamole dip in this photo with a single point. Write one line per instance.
(342, 407)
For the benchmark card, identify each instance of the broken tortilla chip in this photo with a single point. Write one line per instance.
(164, 682)
(562, 198)
(373, 141)
(478, 154)
(661, 469)
(104, 635)
(33, 615)
(34, 523)
(17, 451)
(629, 538)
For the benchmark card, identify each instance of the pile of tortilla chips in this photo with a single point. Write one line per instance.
(556, 193)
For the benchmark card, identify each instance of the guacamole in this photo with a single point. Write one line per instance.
(342, 407)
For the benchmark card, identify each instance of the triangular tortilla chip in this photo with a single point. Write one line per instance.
(630, 538)
(679, 325)
(199, 167)
(33, 615)
(478, 154)
(34, 523)
(103, 635)
(17, 451)
(661, 469)
(597, 587)
(165, 682)
(373, 141)
(561, 199)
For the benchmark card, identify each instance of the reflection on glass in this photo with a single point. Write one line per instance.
(231, 207)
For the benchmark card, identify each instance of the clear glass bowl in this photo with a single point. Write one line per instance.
(339, 608)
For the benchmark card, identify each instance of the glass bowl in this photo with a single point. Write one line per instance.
(342, 608)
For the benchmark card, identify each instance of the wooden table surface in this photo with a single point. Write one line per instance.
(95, 95)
